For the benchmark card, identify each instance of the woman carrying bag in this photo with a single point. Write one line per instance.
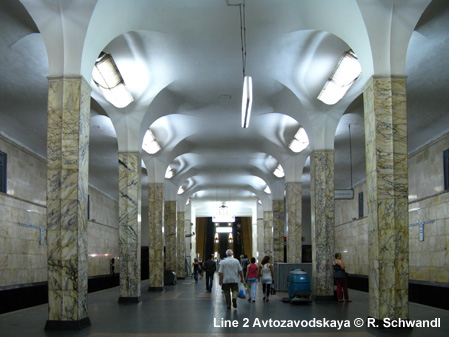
(266, 276)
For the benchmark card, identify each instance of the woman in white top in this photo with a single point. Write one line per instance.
(266, 276)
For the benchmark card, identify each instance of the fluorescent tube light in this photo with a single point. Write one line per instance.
(223, 230)
(111, 84)
(267, 190)
(279, 171)
(346, 72)
(149, 144)
(247, 100)
(181, 190)
(223, 218)
(300, 141)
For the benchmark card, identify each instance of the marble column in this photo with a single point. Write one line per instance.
(170, 235)
(278, 230)
(129, 226)
(323, 219)
(181, 256)
(387, 188)
(156, 238)
(294, 220)
(67, 185)
(260, 238)
(268, 234)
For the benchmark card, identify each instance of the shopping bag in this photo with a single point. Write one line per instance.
(241, 290)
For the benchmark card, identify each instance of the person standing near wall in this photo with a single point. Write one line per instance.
(341, 278)
(229, 272)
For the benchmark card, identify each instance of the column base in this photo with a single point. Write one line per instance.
(129, 299)
(325, 298)
(156, 288)
(389, 323)
(67, 325)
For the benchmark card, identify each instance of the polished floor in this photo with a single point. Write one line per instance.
(187, 309)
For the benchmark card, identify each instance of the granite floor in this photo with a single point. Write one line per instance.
(186, 309)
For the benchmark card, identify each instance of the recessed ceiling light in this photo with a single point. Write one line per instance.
(108, 79)
(345, 73)
(300, 141)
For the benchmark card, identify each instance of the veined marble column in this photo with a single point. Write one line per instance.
(129, 226)
(294, 219)
(278, 230)
(323, 219)
(387, 187)
(170, 235)
(67, 185)
(181, 270)
(156, 242)
(268, 234)
(260, 238)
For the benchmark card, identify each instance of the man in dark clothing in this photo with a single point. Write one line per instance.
(245, 264)
(209, 267)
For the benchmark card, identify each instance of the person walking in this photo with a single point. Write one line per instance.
(266, 276)
(245, 263)
(340, 278)
(251, 279)
(229, 272)
(196, 269)
(209, 268)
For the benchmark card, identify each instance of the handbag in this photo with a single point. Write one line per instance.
(273, 291)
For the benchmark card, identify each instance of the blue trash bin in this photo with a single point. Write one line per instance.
(299, 285)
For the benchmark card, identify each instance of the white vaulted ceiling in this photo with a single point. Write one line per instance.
(182, 62)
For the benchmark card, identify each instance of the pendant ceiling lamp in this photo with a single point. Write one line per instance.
(247, 95)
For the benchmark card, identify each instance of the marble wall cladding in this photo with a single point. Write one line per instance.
(156, 242)
(181, 254)
(348, 210)
(170, 235)
(278, 230)
(426, 169)
(323, 219)
(103, 237)
(129, 223)
(294, 221)
(268, 234)
(26, 178)
(428, 259)
(429, 206)
(67, 189)
(351, 232)
(387, 188)
(23, 259)
(351, 240)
